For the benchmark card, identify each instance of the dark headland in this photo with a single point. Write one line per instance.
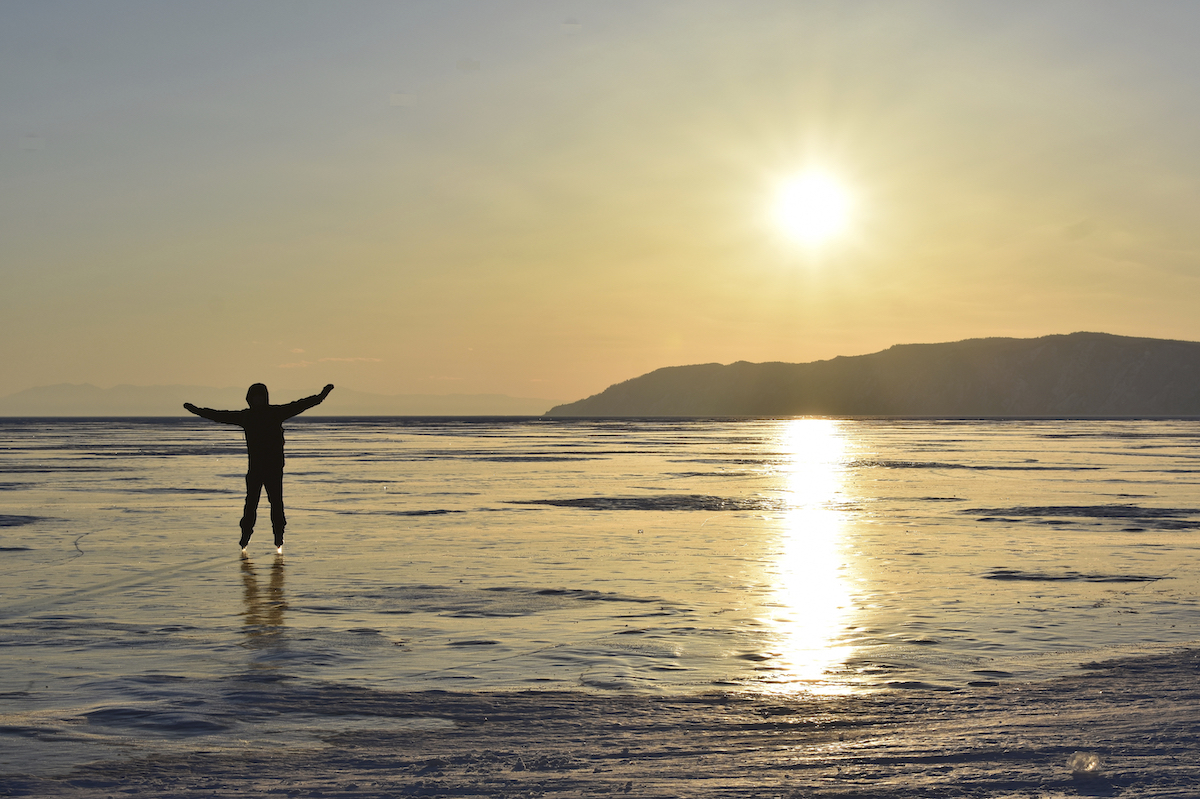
(1076, 375)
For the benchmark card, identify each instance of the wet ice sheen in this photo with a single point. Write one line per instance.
(809, 554)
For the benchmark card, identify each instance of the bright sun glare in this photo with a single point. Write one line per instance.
(812, 208)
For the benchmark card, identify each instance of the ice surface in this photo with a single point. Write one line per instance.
(491, 556)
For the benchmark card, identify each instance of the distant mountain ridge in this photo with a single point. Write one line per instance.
(1075, 375)
(74, 399)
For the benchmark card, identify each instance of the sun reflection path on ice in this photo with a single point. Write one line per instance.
(812, 601)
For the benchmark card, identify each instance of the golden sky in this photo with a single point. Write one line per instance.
(544, 198)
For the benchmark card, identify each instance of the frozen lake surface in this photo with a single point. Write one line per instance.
(809, 556)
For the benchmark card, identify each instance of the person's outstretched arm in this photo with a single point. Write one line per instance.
(225, 417)
(302, 405)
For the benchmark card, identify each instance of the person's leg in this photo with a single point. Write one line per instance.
(274, 485)
(254, 484)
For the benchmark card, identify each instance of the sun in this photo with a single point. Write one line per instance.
(812, 208)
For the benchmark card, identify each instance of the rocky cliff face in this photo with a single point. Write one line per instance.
(1081, 374)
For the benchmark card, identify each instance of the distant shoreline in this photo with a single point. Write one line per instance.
(312, 417)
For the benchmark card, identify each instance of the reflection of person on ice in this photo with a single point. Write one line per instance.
(263, 424)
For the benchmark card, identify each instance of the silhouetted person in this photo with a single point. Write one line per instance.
(263, 423)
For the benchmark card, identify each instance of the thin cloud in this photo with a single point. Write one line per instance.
(306, 364)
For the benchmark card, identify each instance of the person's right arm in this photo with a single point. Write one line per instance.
(225, 417)
(302, 405)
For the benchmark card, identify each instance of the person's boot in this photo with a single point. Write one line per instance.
(246, 537)
(279, 538)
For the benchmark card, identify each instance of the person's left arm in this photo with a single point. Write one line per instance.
(224, 417)
(302, 405)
